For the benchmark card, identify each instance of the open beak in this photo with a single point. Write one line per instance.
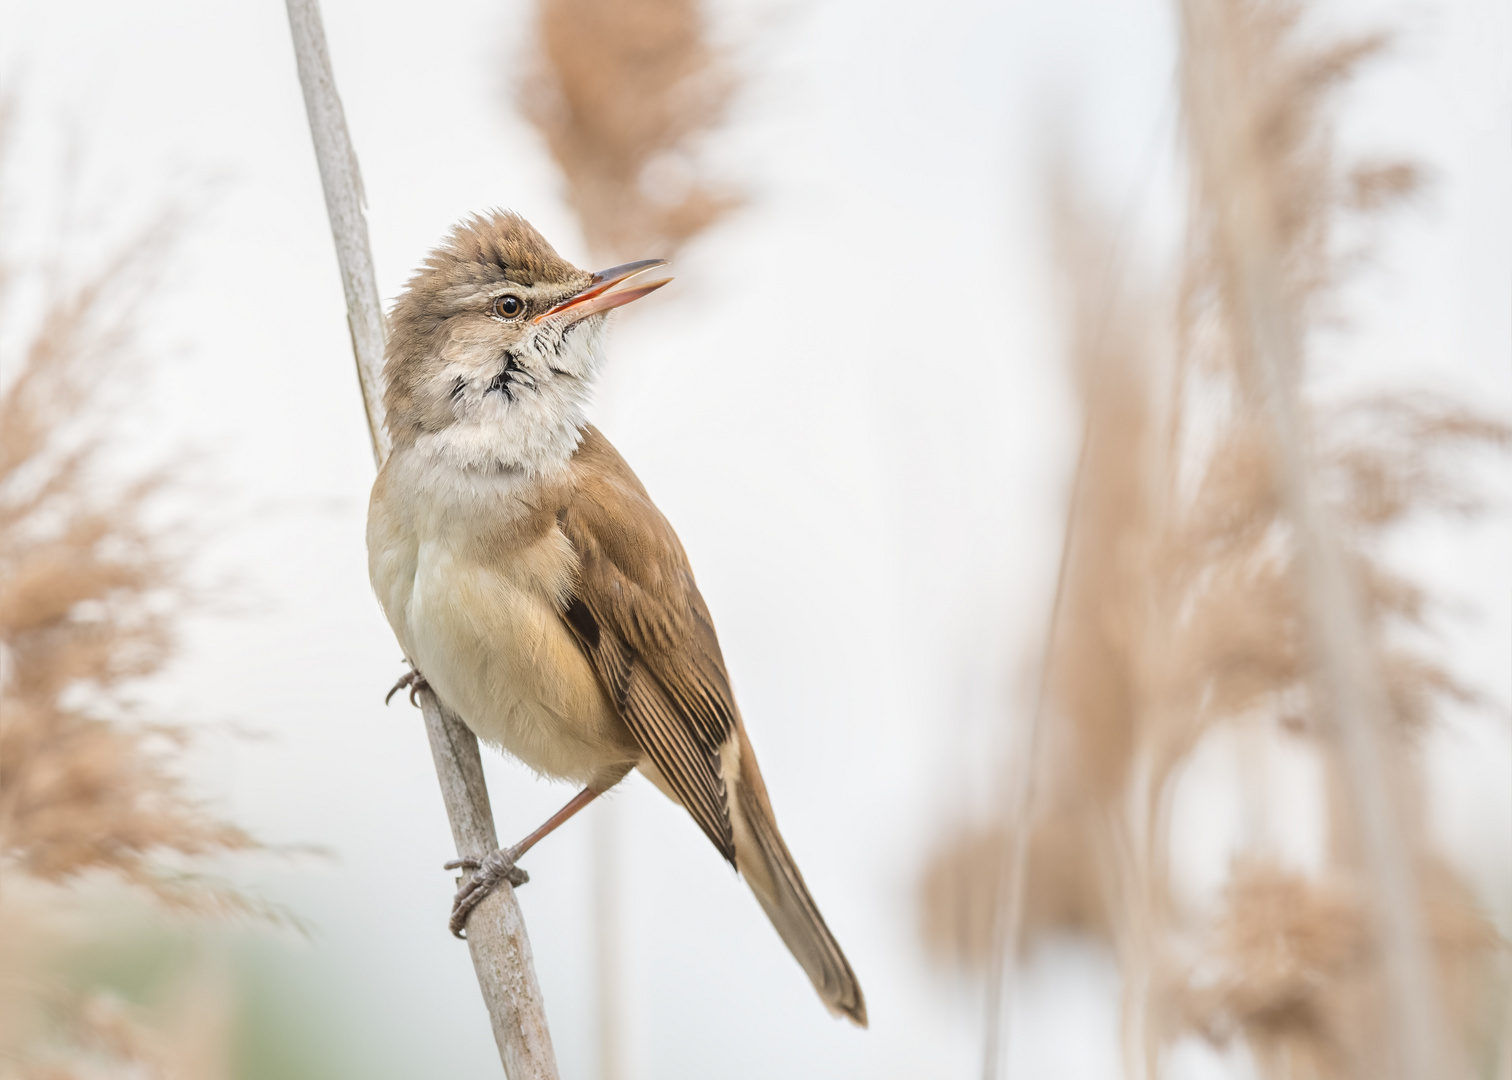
(597, 296)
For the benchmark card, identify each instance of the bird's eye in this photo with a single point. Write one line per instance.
(508, 307)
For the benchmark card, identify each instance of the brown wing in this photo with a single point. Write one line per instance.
(643, 625)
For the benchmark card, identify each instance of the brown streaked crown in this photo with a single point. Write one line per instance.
(455, 286)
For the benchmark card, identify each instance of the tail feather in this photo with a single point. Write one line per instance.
(768, 867)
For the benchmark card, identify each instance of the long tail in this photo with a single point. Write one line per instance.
(768, 867)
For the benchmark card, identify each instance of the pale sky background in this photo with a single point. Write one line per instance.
(850, 404)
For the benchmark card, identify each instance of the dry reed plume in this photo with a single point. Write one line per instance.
(57, 1025)
(92, 588)
(622, 91)
(90, 593)
(1291, 967)
(1181, 617)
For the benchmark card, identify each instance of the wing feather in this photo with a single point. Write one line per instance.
(638, 617)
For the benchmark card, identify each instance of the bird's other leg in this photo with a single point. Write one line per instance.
(412, 679)
(500, 865)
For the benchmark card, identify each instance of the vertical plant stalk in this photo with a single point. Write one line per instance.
(496, 934)
(344, 198)
(608, 943)
(1008, 916)
(1232, 180)
(495, 930)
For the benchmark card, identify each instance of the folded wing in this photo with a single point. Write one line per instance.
(643, 625)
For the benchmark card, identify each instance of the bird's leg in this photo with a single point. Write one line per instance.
(500, 865)
(412, 679)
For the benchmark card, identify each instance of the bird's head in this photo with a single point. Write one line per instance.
(494, 346)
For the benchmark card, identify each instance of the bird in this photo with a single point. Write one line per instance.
(534, 586)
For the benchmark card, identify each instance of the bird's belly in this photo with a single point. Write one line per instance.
(493, 647)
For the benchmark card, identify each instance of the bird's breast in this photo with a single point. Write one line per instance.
(472, 574)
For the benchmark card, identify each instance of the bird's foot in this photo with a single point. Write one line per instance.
(412, 679)
(487, 873)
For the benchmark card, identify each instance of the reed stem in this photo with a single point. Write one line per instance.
(496, 934)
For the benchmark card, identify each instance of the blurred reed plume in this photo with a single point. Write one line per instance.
(90, 593)
(1293, 969)
(60, 1020)
(622, 91)
(92, 589)
(1182, 618)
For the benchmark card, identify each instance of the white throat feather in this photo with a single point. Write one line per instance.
(521, 411)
